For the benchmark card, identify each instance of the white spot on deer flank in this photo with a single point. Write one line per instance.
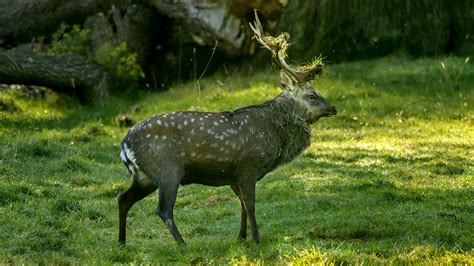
(148, 135)
(193, 154)
(165, 124)
(158, 122)
(180, 126)
(185, 122)
(215, 123)
(192, 119)
(163, 137)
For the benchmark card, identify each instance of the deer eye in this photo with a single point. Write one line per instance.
(312, 97)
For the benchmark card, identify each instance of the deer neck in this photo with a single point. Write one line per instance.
(292, 131)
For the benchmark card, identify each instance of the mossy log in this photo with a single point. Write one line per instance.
(66, 73)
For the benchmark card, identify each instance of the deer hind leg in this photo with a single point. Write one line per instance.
(243, 218)
(136, 192)
(167, 198)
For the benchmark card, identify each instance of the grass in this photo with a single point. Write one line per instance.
(387, 180)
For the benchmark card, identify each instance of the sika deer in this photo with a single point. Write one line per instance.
(234, 148)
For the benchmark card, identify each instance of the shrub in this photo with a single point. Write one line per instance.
(113, 58)
(120, 63)
(71, 40)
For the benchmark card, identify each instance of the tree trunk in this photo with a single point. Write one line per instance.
(68, 73)
(20, 21)
(223, 20)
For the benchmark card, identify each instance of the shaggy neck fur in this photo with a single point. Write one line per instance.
(293, 131)
(289, 131)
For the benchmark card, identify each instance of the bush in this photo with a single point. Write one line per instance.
(113, 58)
(71, 40)
(120, 63)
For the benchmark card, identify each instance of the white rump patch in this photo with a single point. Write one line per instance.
(125, 153)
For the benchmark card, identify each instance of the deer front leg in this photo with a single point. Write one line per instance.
(243, 217)
(247, 193)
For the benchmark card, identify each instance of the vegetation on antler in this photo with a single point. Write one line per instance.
(278, 46)
(316, 66)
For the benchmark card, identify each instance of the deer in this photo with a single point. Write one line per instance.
(233, 148)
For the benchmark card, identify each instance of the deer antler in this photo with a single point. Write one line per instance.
(278, 46)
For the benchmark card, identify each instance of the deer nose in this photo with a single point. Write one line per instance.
(332, 110)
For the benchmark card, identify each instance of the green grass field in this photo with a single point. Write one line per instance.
(388, 180)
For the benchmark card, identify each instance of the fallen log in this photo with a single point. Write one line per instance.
(20, 21)
(67, 73)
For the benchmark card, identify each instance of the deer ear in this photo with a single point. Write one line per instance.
(287, 82)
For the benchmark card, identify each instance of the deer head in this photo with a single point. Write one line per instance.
(296, 81)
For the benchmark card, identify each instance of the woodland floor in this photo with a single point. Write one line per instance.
(389, 179)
